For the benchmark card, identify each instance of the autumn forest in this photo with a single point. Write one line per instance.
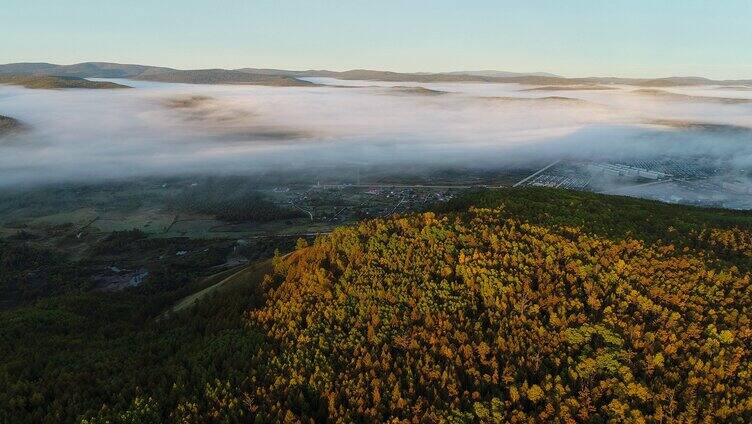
(515, 305)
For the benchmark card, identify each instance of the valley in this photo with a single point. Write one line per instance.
(260, 245)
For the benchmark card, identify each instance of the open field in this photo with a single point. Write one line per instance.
(150, 205)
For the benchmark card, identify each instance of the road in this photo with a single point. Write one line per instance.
(535, 174)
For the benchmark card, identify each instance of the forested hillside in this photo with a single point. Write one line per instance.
(56, 82)
(520, 305)
(483, 316)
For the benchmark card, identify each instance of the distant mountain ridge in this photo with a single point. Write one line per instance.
(149, 73)
(223, 76)
(501, 77)
(502, 74)
(281, 77)
(55, 82)
(82, 70)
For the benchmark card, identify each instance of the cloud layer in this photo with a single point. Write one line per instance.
(163, 129)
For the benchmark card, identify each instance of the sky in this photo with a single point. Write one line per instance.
(637, 38)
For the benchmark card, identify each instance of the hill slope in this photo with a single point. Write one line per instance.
(55, 82)
(221, 76)
(10, 126)
(528, 79)
(526, 305)
(149, 73)
(479, 315)
(81, 70)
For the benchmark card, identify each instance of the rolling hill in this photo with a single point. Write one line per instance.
(9, 126)
(515, 305)
(56, 82)
(662, 94)
(493, 73)
(490, 314)
(499, 77)
(147, 73)
(222, 76)
(81, 70)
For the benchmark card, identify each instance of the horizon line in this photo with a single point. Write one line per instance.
(316, 69)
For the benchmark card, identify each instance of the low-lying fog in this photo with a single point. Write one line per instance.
(160, 128)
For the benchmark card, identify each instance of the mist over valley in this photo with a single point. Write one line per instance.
(173, 129)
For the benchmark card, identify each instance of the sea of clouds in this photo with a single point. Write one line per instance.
(166, 129)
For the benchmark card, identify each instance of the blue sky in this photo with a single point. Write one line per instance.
(637, 38)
